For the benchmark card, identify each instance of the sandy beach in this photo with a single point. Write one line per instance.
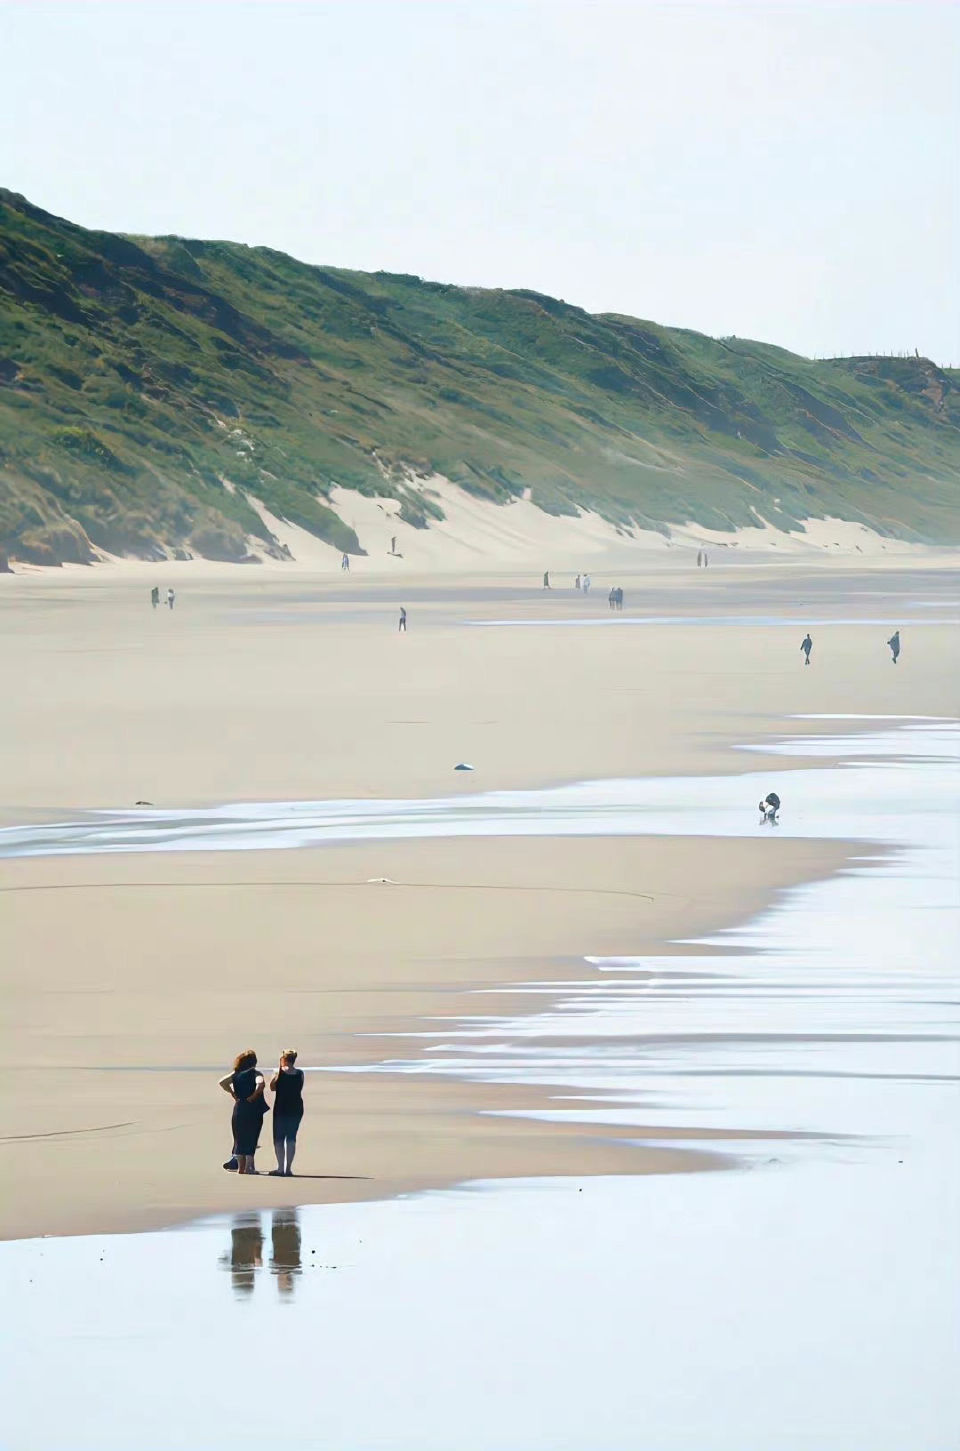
(131, 980)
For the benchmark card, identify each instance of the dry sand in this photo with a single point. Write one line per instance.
(130, 981)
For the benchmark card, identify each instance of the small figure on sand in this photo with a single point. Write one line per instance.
(546, 579)
(245, 1086)
(612, 598)
(770, 809)
(894, 643)
(402, 626)
(587, 582)
(345, 562)
(171, 598)
(806, 647)
(393, 545)
(699, 558)
(577, 582)
(618, 597)
(706, 560)
(155, 596)
(286, 1085)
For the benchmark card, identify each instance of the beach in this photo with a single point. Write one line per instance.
(132, 978)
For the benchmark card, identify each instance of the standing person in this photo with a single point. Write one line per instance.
(576, 584)
(286, 1085)
(393, 545)
(245, 1086)
(894, 643)
(806, 647)
(619, 597)
(706, 560)
(546, 579)
(155, 596)
(612, 599)
(587, 581)
(345, 562)
(171, 597)
(699, 558)
(402, 627)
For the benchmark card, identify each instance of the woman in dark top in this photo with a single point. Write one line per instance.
(245, 1086)
(286, 1085)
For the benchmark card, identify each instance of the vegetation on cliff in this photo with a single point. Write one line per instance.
(150, 387)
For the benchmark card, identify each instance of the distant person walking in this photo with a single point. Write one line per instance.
(587, 582)
(619, 597)
(402, 626)
(577, 582)
(699, 558)
(612, 599)
(171, 598)
(345, 562)
(286, 1085)
(806, 647)
(894, 643)
(155, 596)
(546, 579)
(393, 545)
(245, 1086)
(706, 560)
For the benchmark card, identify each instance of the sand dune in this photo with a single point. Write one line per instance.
(476, 534)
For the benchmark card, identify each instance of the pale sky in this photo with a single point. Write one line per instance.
(781, 171)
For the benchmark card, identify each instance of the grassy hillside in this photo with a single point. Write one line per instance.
(138, 375)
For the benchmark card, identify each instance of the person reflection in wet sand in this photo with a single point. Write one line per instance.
(246, 1252)
(285, 1260)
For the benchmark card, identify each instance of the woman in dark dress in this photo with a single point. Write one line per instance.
(286, 1086)
(245, 1086)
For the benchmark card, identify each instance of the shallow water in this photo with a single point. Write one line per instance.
(745, 621)
(809, 1300)
(816, 1017)
(856, 800)
(723, 1312)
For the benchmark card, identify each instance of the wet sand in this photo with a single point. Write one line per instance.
(809, 1293)
(131, 980)
(266, 687)
(121, 1044)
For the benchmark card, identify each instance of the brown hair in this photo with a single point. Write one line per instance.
(289, 1055)
(246, 1059)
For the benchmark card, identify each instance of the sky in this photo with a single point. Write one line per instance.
(779, 171)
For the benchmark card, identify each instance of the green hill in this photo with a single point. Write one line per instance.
(137, 375)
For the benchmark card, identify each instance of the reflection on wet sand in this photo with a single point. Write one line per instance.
(812, 1299)
(245, 1256)
(285, 1259)
(246, 1252)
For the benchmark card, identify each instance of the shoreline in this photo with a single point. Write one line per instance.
(123, 965)
(809, 1017)
(442, 1130)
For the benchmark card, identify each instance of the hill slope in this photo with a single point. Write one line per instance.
(137, 375)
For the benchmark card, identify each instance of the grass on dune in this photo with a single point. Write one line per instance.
(150, 386)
